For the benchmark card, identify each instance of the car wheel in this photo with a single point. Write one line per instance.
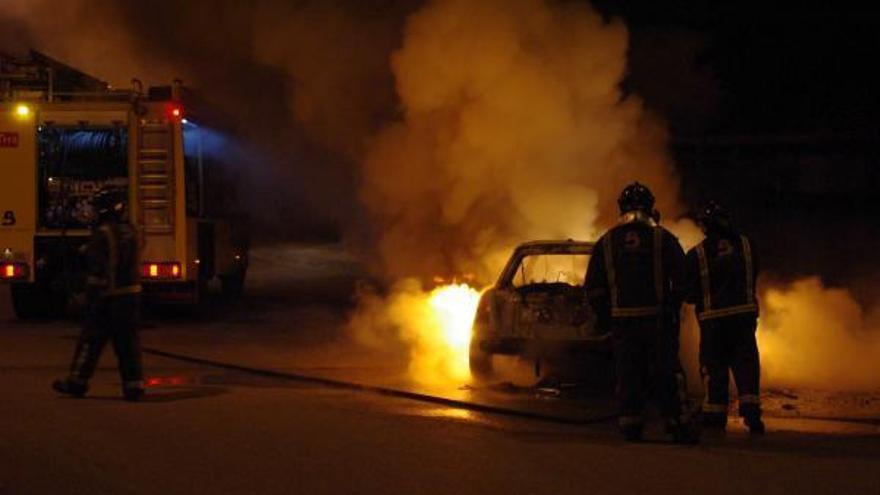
(480, 362)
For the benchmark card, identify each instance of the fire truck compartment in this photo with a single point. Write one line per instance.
(73, 163)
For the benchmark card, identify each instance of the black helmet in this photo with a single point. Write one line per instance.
(714, 218)
(636, 197)
(109, 204)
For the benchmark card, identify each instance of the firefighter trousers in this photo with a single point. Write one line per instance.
(110, 319)
(647, 363)
(729, 344)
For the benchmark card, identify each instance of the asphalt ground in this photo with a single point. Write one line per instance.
(205, 429)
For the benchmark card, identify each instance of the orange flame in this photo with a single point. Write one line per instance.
(453, 308)
(436, 325)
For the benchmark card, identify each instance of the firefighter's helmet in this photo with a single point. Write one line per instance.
(636, 197)
(714, 218)
(109, 204)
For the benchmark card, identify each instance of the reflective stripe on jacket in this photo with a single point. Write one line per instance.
(724, 282)
(636, 270)
(617, 311)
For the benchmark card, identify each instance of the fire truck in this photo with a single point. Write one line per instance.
(63, 136)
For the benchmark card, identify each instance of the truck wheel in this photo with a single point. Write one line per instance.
(57, 302)
(200, 297)
(29, 302)
(232, 285)
(480, 362)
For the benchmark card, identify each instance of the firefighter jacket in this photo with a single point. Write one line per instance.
(636, 270)
(721, 274)
(111, 261)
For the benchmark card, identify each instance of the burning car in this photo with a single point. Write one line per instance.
(538, 308)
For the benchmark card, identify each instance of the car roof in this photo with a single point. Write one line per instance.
(554, 246)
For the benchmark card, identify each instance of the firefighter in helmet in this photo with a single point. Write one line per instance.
(634, 284)
(112, 292)
(721, 273)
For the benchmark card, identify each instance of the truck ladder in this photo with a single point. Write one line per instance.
(156, 177)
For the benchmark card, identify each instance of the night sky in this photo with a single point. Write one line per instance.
(774, 112)
(754, 69)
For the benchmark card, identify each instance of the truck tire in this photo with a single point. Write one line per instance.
(480, 362)
(57, 301)
(232, 285)
(38, 301)
(29, 302)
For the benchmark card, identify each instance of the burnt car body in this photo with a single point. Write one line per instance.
(538, 308)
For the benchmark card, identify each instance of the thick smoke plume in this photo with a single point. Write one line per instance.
(514, 128)
(818, 337)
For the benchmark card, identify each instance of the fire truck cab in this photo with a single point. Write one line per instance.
(63, 136)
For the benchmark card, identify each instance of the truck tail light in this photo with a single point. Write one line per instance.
(161, 270)
(13, 271)
(174, 112)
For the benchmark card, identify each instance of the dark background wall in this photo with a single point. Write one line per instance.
(773, 111)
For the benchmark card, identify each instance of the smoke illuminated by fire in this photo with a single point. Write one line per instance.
(810, 337)
(817, 337)
(514, 128)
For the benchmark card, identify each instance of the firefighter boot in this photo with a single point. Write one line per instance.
(71, 386)
(632, 433)
(714, 420)
(751, 414)
(684, 432)
(133, 393)
(754, 423)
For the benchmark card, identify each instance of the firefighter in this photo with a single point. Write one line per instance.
(634, 285)
(672, 319)
(112, 293)
(721, 275)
